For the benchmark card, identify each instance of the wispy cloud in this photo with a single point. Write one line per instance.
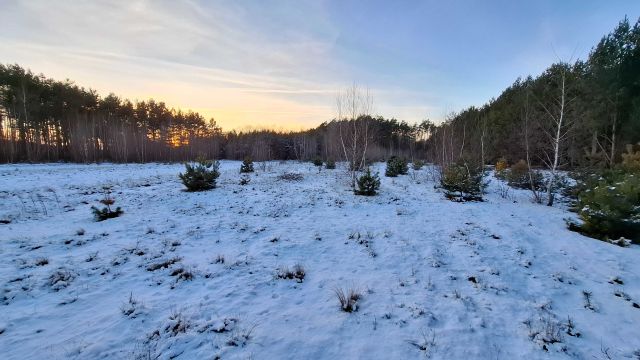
(280, 63)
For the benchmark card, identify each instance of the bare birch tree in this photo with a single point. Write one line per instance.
(559, 128)
(353, 106)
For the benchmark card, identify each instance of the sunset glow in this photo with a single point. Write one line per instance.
(254, 65)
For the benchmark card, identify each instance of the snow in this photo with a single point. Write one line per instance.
(497, 279)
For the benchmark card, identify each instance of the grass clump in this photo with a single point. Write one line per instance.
(348, 299)
(297, 273)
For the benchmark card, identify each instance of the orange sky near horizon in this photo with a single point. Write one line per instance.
(280, 64)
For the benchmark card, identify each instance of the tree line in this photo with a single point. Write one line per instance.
(574, 114)
(42, 120)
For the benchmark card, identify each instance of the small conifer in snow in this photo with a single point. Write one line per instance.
(368, 184)
(106, 212)
(200, 175)
(247, 165)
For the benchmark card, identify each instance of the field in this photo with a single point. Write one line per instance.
(204, 275)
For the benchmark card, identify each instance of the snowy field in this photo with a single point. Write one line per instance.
(195, 275)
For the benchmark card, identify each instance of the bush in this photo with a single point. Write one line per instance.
(501, 167)
(462, 182)
(200, 175)
(609, 206)
(396, 166)
(291, 177)
(631, 159)
(247, 165)
(518, 177)
(418, 164)
(368, 184)
(331, 164)
(317, 161)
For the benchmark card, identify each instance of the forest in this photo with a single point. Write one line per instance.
(576, 114)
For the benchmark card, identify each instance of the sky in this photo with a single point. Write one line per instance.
(280, 64)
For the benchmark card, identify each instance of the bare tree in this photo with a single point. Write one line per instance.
(558, 129)
(354, 109)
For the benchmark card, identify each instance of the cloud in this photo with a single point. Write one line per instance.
(280, 63)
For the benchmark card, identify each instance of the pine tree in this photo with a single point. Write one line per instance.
(247, 165)
(609, 206)
(106, 212)
(368, 184)
(462, 182)
(396, 166)
(200, 175)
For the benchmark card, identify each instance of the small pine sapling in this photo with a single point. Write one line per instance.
(417, 164)
(200, 175)
(396, 166)
(462, 182)
(368, 184)
(247, 165)
(106, 212)
(245, 180)
(331, 164)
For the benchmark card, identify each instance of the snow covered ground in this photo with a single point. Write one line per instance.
(194, 275)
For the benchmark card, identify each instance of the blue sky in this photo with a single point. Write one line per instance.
(279, 64)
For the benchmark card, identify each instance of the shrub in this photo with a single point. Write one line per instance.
(200, 175)
(418, 164)
(331, 164)
(317, 161)
(462, 182)
(518, 177)
(631, 159)
(368, 184)
(247, 165)
(291, 177)
(501, 165)
(396, 166)
(609, 206)
(106, 212)
(245, 180)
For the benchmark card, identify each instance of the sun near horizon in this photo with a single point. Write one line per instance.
(271, 65)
